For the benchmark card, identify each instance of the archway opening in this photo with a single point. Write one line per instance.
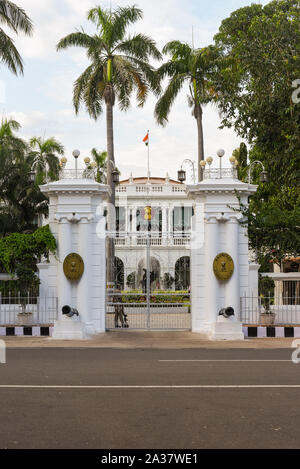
(119, 273)
(182, 273)
(154, 273)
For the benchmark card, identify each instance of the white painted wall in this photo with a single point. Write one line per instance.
(215, 217)
(76, 221)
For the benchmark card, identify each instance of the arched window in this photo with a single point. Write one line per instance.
(119, 274)
(182, 273)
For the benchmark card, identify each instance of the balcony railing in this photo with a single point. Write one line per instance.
(77, 174)
(123, 239)
(223, 173)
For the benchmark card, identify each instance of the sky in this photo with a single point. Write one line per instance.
(41, 99)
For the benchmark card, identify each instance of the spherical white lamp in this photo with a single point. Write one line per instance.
(76, 153)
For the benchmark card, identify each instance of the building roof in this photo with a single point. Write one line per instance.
(153, 180)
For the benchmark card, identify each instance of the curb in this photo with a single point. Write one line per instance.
(31, 331)
(261, 332)
(257, 332)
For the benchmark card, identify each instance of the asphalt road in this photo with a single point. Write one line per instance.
(108, 398)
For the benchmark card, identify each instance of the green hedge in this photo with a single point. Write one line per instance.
(157, 297)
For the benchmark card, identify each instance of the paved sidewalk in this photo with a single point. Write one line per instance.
(147, 340)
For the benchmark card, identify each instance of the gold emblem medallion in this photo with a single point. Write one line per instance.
(147, 213)
(223, 266)
(73, 266)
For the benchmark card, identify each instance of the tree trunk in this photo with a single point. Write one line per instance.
(198, 116)
(111, 213)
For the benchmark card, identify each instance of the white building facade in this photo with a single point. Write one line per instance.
(160, 207)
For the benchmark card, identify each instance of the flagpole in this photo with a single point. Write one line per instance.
(148, 157)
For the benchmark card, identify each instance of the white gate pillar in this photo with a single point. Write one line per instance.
(216, 203)
(211, 235)
(64, 287)
(76, 220)
(232, 288)
(85, 283)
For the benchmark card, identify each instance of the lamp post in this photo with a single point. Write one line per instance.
(263, 175)
(209, 161)
(76, 154)
(182, 173)
(220, 154)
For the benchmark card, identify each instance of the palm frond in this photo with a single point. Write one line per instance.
(15, 17)
(51, 145)
(9, 54)
(177, 49)
(171, 68)
(93, 94)
(102, 18)
(149, 73)
(122, 18)
(164, 104)
(139, 46)
(79, 39)
(79, 87)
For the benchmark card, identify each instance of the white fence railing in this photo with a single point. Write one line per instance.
(19, 311)
(270, 310)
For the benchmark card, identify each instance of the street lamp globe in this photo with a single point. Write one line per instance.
(76, 153)
(221, 153)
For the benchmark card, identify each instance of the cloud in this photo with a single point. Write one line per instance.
(51, 113)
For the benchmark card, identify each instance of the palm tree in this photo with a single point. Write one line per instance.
(191, 66)
(100, 159)
(44, 157)
(119, 65)
(21, 201)
(16, 19)
(16, 146)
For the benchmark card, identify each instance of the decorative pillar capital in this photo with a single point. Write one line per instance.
(236, 218)
(61, 218)
(210, 218)
(73, 218)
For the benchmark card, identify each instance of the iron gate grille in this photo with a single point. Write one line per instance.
(151, 284)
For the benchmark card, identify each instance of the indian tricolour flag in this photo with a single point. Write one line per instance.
(146, 139)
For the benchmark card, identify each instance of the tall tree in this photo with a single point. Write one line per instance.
(21, 200)
(16, 19)
(192, 67)
(260, 60)
(44, 157)
(259, 63)
(119, 65)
